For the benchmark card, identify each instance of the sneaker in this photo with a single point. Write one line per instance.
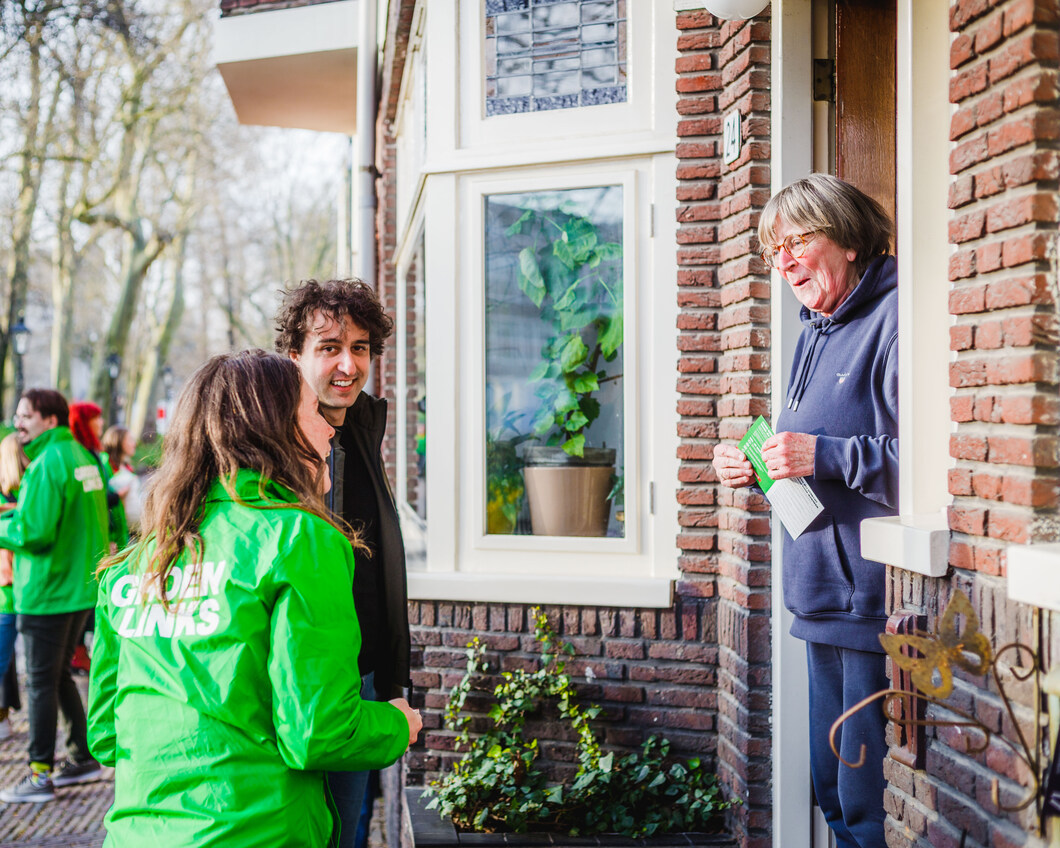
(34, 788)
(67, 773)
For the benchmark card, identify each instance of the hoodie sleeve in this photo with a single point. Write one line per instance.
(320, 720)
(102, 685)
(867, 464)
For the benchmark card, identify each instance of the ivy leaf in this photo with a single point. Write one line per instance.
(539, 372)
(573, 353)
(567, 401)
(542, 422)
(577, 319)
(517, 227)
(530, 280)
(554, 794)
(607, 760)
(609, 250)
(584, 383)
(575, 445)
(576, 422)
(610, 339)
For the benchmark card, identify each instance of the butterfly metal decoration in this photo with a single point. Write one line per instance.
(930, 660)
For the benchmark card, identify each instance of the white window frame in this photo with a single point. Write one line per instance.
(918, 538)
(463, 138)
(463, 561)
(631, 144)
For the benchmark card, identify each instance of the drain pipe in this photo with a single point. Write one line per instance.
(365, 179)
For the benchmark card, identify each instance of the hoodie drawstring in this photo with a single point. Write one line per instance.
(802, 375)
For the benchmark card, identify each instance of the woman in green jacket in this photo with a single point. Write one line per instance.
(224, 672)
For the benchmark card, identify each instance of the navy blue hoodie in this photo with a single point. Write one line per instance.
(844, 389)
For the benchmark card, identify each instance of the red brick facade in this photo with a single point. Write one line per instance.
(700, 672)
(1003, 224)
(723, 338)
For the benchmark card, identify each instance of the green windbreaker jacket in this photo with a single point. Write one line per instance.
(221, 715)
(58, 530)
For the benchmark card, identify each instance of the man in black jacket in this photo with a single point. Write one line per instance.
(333, 330)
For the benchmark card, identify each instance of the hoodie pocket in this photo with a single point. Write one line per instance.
(816, 573)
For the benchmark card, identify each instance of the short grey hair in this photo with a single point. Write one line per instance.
(825, 204)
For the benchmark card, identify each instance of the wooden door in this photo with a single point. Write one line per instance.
(865, 38)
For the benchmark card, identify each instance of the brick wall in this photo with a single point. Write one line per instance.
(724, 378)
(1003, 225)
(390, 295)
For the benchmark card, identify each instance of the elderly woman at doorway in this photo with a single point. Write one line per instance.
(839, 429)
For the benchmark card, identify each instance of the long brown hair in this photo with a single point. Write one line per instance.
(237, 411)
(113, 443)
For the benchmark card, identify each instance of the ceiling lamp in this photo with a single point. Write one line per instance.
(735, 9)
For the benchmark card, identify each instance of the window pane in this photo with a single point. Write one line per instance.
(554, 363)
(561, 40)
(414, 517)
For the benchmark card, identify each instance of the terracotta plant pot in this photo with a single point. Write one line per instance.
(568, 494)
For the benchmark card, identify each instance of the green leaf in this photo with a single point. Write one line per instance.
(584, 383)
(576, 319)
(575, 445)
(517, 227)
(573, 354)
(606, 761)
(610, 340)
(543, 421)
(530, 280)
(576, 422)
(609, 250)
(539, 372)
(566, 401)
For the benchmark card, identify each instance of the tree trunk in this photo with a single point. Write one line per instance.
(159, 348)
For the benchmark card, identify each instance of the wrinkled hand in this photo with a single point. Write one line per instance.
(412, 716)
(789, 455)
(732, 467)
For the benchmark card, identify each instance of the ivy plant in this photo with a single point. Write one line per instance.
(498, 784)
(575, 278)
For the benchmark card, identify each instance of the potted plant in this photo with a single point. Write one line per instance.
(499, 784)
(574, 277)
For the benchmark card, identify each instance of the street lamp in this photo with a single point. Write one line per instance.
(20, 342)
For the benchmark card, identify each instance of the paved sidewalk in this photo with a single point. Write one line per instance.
(73, 820)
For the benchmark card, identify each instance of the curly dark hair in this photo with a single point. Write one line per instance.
(338, 299)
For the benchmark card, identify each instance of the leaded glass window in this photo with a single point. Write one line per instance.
(554, 54)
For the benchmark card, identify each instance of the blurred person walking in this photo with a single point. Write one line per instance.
(58, 532)
(13, 462)
(119, 446)
(224, 680)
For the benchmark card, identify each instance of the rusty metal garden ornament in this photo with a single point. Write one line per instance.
(930, 659)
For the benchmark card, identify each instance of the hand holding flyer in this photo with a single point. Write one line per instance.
(792, 499)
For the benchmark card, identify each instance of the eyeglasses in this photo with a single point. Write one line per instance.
(795, 245)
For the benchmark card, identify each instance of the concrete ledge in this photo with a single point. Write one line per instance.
(917, 543)
(1034, 575)
(540, 589)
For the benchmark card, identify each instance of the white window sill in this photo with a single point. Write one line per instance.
(526, 589)
(918, 543)
(1034, 575)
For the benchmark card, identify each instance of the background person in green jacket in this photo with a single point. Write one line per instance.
(58, 532)
(224, 674)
